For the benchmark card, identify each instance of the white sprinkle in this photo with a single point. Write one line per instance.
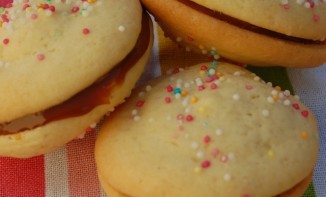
(265, 113)
(148, 88)
(297, 97)
(136, 118)
(122, 28)
(281, 95)
(269, 84)
(287, 93)
(199, 82)
(270, 99)
(216, 56)
(85, 4)
(307, 5)
(187, 110)
(48, 13)
(93, 125)
(179, 39)
(300, 1)
(287, 102)
(185, 102)
(256, 78)
(236, 97)
(194, 145)
(177, 96)
(227, 177)
(134, 112)
(284, 2)
(219, 132)
(274, 92)
(200, 154)
(186, 85)
(211, 71)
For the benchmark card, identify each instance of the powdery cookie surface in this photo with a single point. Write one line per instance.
(50, 50)
(299, 18)
(211, 130)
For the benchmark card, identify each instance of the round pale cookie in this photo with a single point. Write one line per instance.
(298, 18)
(205, 30)
(212, 129)
(46, 130)
(51, 50)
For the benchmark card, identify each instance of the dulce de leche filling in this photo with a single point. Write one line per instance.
(86, 100)
(245, 25)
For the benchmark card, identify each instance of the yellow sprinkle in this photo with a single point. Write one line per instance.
(197, 169)
(201, 46)
(0, 23)
(184, 92)
(304, 135)
(271, 153)
(275, 97)
(194, 99)
(277, 88)
(202, 110)
(91, 1)
(39, 10)
(202, 73)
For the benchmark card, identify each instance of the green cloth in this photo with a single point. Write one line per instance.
(279, 77)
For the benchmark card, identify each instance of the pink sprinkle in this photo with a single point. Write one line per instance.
(90, 129)
(25, 6)
(86, 31)
(75, 9)
(52, 8)
(305, 113)
(224, 158)
(296, 106)
(245, 195)
(201, 87)
(286, 6)
(26, 1)
(213, 86)
(5, 41)
(316, 18)
(140, 103)
(215, 152)
(209, 79)
(203, 67)
(180, 117)
(189, 118)
(169, 88)
(40, 57)
(34, 16)
(207, 139)
(167, 100)
(249, 87)
(206, 164)
(312, 4)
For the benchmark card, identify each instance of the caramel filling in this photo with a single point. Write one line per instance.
(86, 100)
(247, 26)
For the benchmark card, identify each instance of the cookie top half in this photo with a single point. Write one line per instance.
(52, 49)
(297, 18)
(212, 129)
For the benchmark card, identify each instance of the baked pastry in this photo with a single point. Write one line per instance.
(212, 130)
(287, 33)
(64, 64)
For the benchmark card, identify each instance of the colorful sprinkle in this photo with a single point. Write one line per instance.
(167, 100)
(206, 164)
(305, 113)
(227, 177)
(40, 57)
(86, 31)
(224, 158)
(215, 152)
(304, 135)
(207, 139)
(140, 103)
(5, 41)
(189, 118)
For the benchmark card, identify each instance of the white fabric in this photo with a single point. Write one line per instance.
(310, 85)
